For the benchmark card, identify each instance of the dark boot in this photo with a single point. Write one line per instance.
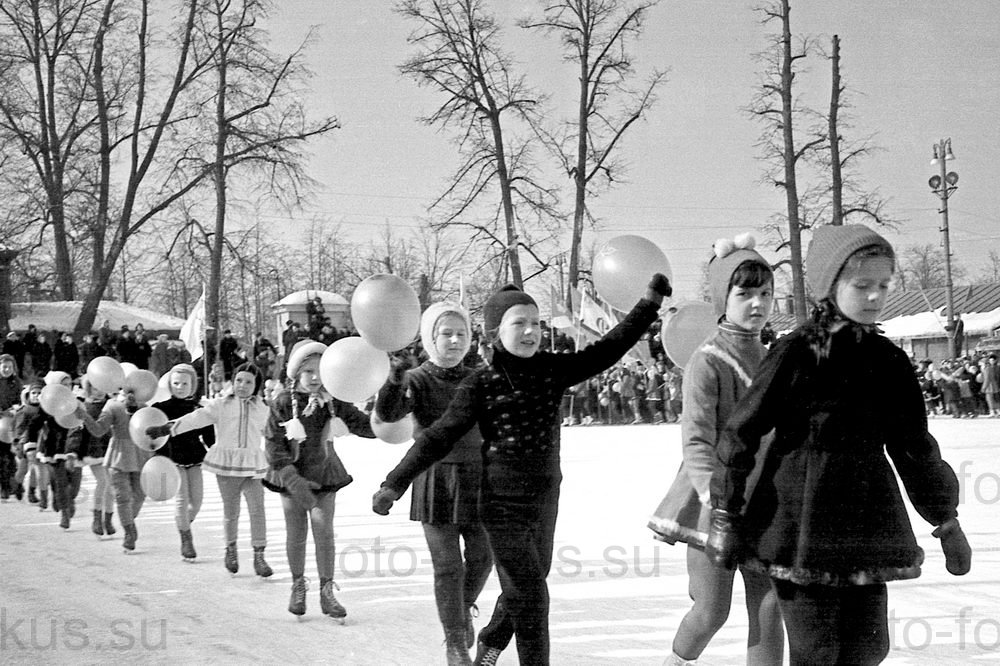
(32, 497)
(64, 523)
(328, 602)
(260, 565)
(109, 527)
(187, 545)
(232, 560)
(455, 651)
(97, 527)
(486, 655)
(43, 500)
(297, 604)
(131, 534)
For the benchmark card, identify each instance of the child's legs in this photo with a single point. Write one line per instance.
(103, 490)
(253, 491)
(75, 479)
(122, 486)
(321, 518)
(60, 483)
(833, 625)
(43, 477)
(711, 588)
(766, 635)
(445, 546)
(296, 532)
(138, 494)
(7, 468)
(478, 560)
(196, 491)
(182, 501)
(229, 491)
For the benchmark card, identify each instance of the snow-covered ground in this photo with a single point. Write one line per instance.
(617, 595)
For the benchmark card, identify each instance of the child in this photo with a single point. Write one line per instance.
(718, 375)
(826, 521)
(123, 459)
(58, 459)
(446, 496)
(90, 450)
(515, 401)
(187, 451)
(307, 471)
(236, 459)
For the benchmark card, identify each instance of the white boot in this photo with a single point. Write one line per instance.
(675, 660)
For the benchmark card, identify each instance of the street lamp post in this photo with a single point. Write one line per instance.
(943, 185)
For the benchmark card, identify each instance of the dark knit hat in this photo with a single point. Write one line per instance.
(829, 250)
(500, 302)
(730, 255)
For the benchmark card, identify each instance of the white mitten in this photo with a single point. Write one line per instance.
(294, 430)
(338, 428)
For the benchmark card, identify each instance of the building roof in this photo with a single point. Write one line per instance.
(301, 297)
(970, 298)
(63, 315)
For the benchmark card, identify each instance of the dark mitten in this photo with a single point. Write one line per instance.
(155, 432)
(398, 365)
(382, 500)
(956, 548)
(658, 288)
(300, 489)
(723, 544)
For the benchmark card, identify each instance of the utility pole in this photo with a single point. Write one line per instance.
(943, 185)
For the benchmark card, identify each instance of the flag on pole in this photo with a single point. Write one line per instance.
(193, 329)
(561, 317)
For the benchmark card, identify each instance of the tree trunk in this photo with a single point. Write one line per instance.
(834, 136)
(790, 158)
(579, 180)
(507, 201)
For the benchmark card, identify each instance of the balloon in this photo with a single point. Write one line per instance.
(106, 374)
(7, 429)
(69, 421)
(128, 368)
(57, 400)
(386, 312)
(162, 390)
(142, 419)
(395, 432)
(684, 330)
(143, 384)
(159, 478)
(623, 267)
(352, 370)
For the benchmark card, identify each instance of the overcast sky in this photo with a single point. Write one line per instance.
(917, 72)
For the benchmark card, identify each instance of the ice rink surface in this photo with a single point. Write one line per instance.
(618, 595)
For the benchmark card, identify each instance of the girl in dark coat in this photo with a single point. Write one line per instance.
(307, 471)
(826, 520)
(187, 451)
(446, 496)
(91, 449)
(515, 401)
(10, 397)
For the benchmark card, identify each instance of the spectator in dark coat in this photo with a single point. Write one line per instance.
(228, 347)
(128, 351)
(67, 357)
(107, 338)
(142, 347)
(88, 351)
(15, 347)
(160, 356)
(41, 356)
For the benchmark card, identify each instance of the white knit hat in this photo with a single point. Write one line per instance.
(302, 350)
(428, 325)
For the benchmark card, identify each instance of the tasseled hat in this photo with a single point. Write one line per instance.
(729, 255)
(829, 250)
(55, 377)
(428, 327)
(185, 369)
(501, 301)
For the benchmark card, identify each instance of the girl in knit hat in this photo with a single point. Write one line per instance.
(515, 402)
(826, 520)
(715, 378)
(307, 471)
(187, 451)
(236, 458)
(446, 496)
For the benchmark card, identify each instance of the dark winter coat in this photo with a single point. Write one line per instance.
(67, 358)
(314, 459)
(827, 508)
(41, 358)
(10, 391)
(88, 447)
(516, 403)
(186, 448)
(448, 492)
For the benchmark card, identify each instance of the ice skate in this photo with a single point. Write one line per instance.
(187, 546)
(64, 521)
(328, 602)
(32, 497)
(131, 534)
(109, 528)
(43, 500)
(486, 655)
(260, 565)
(297, 603)
(456, 653)
(97, 527)
(232, 561)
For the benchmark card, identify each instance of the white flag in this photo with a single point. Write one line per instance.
(194, 328)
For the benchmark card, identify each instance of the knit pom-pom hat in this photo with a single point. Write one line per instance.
(302, 350)
(829, 250)
(730, 255)
(428, 327)
(499, 303)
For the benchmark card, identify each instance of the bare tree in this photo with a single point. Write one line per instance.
(922, 267)
(459, 55)
(776, 108)
(991, 274)
(596, 37)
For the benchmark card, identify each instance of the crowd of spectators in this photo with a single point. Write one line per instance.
(964, 387)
